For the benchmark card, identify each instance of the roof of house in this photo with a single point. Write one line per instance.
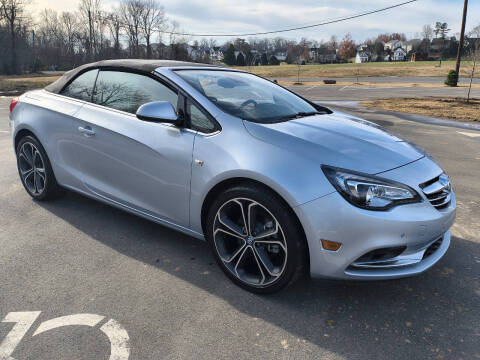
(362, 54)
(125, 64)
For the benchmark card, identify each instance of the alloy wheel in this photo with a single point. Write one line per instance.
(250, 242)
(32, 168)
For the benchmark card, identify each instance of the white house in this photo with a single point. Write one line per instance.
(361, 57)
(399, 54)
(393, 44)
(216, 54)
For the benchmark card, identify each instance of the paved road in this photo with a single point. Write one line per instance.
(389, 79)
(76, 256)
(365, 92)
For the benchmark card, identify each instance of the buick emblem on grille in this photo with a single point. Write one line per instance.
(445, 181)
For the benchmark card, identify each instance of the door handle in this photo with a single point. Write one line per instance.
(87, 131)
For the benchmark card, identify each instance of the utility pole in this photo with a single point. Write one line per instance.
(462, 33)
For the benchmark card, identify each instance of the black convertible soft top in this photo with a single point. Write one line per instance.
(125, 64)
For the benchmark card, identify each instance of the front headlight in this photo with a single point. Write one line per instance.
(369, 192)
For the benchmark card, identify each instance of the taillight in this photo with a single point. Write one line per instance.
(13, 104)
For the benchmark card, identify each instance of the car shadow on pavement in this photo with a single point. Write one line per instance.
(434, 315)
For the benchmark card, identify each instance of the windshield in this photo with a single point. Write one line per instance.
(247, 96)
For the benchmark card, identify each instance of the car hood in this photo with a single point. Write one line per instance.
(339, 140)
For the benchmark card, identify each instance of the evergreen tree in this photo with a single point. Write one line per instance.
(240, 60)
(264, 59)
(229, 57)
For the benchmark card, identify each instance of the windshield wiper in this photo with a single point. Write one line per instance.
(301, 114)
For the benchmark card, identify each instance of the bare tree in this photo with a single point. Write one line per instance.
(475, 32)
(114, 25)
(132, 12)
(152, 19)
(333, 43)
(52, 37)
(13, 12)
(427, 32)
(474, 56)
(90, 13)
(70, 27)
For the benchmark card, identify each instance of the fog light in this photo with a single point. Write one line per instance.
(331, 245)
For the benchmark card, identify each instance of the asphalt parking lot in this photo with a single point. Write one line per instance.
(151, 293)
(369, 92)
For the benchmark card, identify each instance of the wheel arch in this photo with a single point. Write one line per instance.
(21, 134)
(235, 181)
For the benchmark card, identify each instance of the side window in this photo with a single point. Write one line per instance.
(82, 87)
(199, 120)
(128, 91)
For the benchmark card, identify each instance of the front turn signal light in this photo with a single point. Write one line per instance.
(331, 245)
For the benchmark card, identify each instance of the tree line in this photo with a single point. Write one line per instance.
(141, 29)
(61, 41)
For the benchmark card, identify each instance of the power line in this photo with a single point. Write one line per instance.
(295, 28)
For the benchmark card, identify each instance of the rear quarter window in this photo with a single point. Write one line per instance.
(81, 87)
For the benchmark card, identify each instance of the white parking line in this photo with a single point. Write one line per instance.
(356, 87)
(78, 319)
(23, 321)
(119, 340)
(469, 134)
(117, 335)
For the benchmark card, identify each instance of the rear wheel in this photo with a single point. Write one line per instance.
(255, 239)
(35, 170)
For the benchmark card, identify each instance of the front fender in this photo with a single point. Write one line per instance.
(234, 153)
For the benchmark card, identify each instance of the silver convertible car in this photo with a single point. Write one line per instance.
(276, 184)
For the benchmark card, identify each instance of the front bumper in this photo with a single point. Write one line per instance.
(419, 230)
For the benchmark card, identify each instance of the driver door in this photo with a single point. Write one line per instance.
(139, 165)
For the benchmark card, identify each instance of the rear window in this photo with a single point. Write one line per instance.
(82, 87)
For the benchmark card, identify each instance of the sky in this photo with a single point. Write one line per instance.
(245, 16)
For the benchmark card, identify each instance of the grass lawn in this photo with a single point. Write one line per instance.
(24, 83)
(419, 68)
(456, 109)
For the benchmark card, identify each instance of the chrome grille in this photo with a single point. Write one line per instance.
(438, 191)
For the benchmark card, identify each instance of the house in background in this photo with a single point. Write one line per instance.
(216, 54)
(281, 55)
(327, 58)
(393, 44)
(399, 54)
(322, 55)
(362, 57)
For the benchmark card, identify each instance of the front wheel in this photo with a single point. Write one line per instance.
(255, 239)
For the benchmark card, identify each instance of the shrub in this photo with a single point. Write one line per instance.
(452, 78)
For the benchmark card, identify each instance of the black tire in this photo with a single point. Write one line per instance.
(293, 236)
(51, 189)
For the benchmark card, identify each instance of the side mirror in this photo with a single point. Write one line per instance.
(159, 111)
